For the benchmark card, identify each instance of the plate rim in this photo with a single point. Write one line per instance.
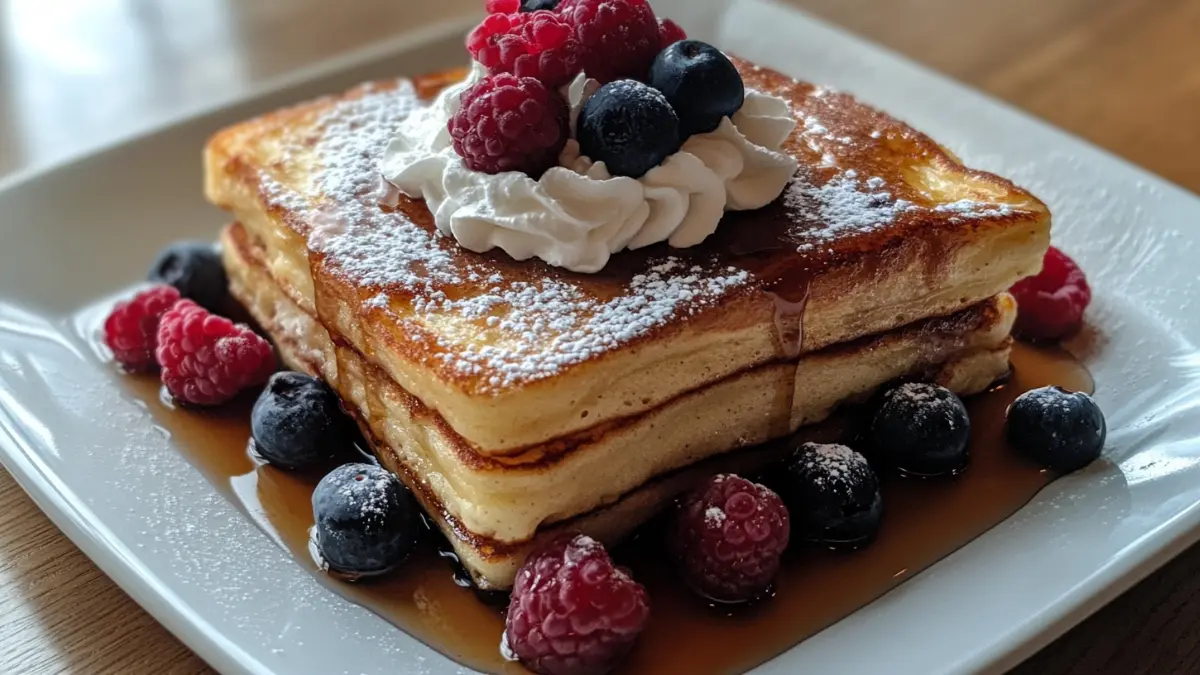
(87, 531)
(61, 505)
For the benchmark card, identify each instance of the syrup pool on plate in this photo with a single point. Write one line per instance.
(924, 521)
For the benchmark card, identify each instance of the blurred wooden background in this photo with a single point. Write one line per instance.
(77, 73)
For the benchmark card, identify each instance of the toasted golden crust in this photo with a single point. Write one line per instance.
(492, 508)
(880, 228)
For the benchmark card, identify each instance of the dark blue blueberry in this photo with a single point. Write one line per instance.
(832, 496)
(1061, 429)
(193, 267)
(628, 126)
(921, 429)
(297, 423)
(367, 522)
(700, 82)
(536, 5)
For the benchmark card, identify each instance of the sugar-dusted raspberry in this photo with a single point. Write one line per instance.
(540, 45)
(572, 611)
(131, 330)
(669, 32)
(619, 38)
(510, 123)
(729, 535)
(207, 359)
(1050, 305)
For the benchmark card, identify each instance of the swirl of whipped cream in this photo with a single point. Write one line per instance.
(577, 214)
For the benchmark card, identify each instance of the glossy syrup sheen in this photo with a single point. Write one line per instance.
(924, 521)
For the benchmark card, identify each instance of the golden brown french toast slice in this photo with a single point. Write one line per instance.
(880, 228)
(609, 478)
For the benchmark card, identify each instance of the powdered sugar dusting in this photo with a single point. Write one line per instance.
(813, 126)
(370, 501)
(379, 301)
(532, 328)
(520, 330)
(968, 208)
(367, 244)
(831, 201)
(577, 326)
(279, 197)
(714, 516)
(843, 204)
(834, 466)
(924, 400)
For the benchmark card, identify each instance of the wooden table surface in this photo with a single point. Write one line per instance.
(75, 73)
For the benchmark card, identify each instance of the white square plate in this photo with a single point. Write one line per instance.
(92, 459)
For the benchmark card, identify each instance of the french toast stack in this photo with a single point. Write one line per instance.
(517, 399)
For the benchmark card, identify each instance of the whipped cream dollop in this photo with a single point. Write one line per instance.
(577, 214)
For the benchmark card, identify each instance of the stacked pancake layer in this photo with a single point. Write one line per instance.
(579, 479)
(516, 398)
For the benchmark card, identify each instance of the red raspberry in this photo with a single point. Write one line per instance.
(572, 611)
(207, 359)
(502, 6)
(1051, 304)
(669, 32)
(729, 535)
(619, 38)
(131, 330)
(510, 123)
(540, 45)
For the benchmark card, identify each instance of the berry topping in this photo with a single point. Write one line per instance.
(619, 38)
(1051, 304)
(921, 429)
(540, 45)
(833, 496)
(628, 126)
(298, 423)
(207, 359)
(195, 269)
(367, 522)
(572, 611)
(514, 6)
(700, 82)
(669, 32)
(510, 123)
(1061, 429)
(729, 535)
(131, 330)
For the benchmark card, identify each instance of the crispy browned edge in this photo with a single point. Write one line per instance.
(838, 272)
(544, 455)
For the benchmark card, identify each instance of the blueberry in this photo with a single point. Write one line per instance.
(297, 423)
(537, 5)
(921, 429)
(832, 495)
(195, 269)
(1061, 429)
(628, 126)
(700, 82)
(367, 522)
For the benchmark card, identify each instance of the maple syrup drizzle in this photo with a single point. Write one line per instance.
(924, 521)
(789, 321)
